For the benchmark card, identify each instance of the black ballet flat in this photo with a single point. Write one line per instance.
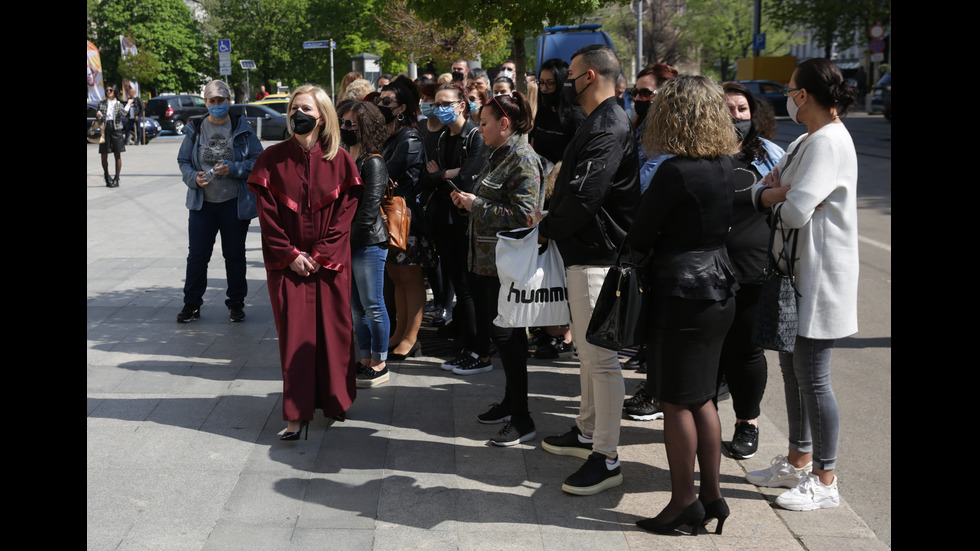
(692, 515)
(415, 351)
(717, 509)
(295, 435)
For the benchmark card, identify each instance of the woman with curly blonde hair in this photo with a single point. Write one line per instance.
(682, 224)
(357, 89)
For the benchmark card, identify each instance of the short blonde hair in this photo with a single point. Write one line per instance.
(357, 89)
(689, 118)
(330, 131)
(444, 78)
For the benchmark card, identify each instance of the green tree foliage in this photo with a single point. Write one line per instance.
(723, 29)
(163, 28)
(520, 17)
(840, 23)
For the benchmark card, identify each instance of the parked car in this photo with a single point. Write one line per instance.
(274, 124)
(151, 128)
(276, 104)
(173, 110)
(770, 91)
(881, 96)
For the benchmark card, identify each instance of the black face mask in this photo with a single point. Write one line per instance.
(641, 108)
(386, 112)
(551, 99)
(742, 127)
(302, 123)
(349, 137)
(568, 90)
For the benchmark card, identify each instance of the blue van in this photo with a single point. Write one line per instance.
(565, 40)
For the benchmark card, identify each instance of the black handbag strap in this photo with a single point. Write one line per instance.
(789, 236)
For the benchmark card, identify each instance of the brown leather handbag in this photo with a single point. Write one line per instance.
(397, 218)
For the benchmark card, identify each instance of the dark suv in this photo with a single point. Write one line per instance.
(173, 110)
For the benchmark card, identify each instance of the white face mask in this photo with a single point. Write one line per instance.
(792, 108)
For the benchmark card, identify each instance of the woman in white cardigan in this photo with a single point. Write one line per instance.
(816, 183)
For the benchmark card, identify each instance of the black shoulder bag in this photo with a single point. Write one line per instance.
(777, 322)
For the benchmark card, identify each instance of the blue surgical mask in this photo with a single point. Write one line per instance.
(218, 111)
(446, 115)
(474, 107)
(426, 109)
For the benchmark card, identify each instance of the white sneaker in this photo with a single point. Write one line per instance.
(779, 473)
(810, 494)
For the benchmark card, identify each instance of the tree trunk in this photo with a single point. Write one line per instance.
(520, 60)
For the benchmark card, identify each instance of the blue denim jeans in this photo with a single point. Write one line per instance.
(367, 300)
(202, 228)
(811, 407)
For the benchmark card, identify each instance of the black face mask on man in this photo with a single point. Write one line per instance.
(302, 123)
(568, 90)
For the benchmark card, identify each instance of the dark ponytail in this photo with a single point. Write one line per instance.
(515, 107)
(823, 80)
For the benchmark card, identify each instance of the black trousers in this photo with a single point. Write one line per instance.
(511, 342)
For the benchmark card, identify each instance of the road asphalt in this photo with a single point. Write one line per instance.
(183, 423)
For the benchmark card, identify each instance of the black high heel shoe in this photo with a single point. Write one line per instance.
(717, 509)
(416, 350)
(295, 435)
(692, 515)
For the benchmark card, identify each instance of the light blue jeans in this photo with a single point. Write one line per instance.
(811, 407)
(367, 300)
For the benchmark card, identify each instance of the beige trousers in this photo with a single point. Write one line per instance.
(603, 389)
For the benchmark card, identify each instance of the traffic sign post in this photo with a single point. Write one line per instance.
(329, 43)
(248, 65)
(224, 56)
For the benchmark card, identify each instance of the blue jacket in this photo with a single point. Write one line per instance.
(247, 148)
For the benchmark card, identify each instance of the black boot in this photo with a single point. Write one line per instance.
(115, 181)
(108, 180)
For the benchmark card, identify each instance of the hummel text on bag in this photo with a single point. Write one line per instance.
(527, 296)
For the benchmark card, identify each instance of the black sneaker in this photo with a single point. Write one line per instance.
(642, 407)
(556, 348)
(593, 477)
(568, 444)
(451, 364)
(496, 414)
(745, 441)
(236, 311)
(473, 365)
(189, 313)
(512, 434)
(368, 377)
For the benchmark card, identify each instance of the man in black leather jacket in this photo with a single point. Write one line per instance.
(591, 209)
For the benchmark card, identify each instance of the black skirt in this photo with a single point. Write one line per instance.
(684, 347)
(115, 141)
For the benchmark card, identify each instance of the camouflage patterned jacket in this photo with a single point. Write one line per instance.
(507, 190)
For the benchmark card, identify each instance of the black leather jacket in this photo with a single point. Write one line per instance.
(368, 228)
(597, 189)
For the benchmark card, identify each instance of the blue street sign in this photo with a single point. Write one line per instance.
(759, 41)
(316, 44)
(224, 45)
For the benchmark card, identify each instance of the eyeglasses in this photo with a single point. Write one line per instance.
(645, 93)
(385, 101)
(348, 124)
(786, 91)
(445, 103)
(547, 84)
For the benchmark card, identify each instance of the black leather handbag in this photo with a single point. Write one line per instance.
(619, 319)
(777, 322)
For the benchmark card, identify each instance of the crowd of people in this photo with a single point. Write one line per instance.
(687, 182)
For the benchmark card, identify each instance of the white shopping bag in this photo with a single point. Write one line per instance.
(532, 283)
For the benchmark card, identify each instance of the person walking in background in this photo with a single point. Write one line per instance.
(743, 363)
(111, 112)
(261, 93)
(215, 160)
(308, 189)
(363, 132)
(591, 209)
(681, 226)
(507, 192)
(815, 188)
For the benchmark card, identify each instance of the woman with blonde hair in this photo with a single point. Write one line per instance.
(357, 89)
(345, 82)
(307, 190)
(682, 224)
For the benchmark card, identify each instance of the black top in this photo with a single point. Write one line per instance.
(368, 226)
(748, 241)
(550, 136)
(597, 189)
(683, 222)
(463, 151)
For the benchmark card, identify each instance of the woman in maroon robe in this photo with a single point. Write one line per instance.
(307, 190)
